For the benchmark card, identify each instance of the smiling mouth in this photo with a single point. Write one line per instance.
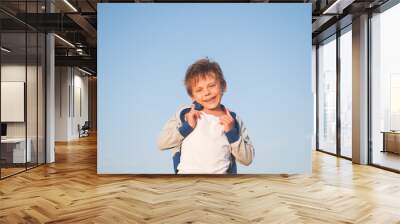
(209, 100)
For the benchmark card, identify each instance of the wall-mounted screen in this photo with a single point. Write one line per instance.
(12, 101)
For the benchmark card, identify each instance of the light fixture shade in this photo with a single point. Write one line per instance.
(338, 6)
(84, 71)
(65, 41)
(5, 50)
(70, 5)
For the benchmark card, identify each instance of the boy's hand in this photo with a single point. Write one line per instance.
(227, 121)
(192, 116)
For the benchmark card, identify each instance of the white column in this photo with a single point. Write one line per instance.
(360, 90)
(50, 110)
(50, 92)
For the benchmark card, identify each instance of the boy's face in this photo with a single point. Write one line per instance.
(207, 91)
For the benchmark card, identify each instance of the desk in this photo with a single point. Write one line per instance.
(15, 148)
(391, 141)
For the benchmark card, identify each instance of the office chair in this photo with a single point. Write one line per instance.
(84, 130)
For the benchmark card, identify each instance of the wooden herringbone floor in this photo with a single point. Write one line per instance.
(70, 191)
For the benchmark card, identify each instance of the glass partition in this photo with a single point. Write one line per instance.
(14, 153)
(22, 77)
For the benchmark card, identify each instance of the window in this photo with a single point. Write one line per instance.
(385, 88)
(346, 92)
(327, 95)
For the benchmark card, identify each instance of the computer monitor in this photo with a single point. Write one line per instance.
(3, 129)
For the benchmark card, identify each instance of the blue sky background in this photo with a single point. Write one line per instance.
(264, 51)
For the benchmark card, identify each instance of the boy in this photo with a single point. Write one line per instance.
(206, 138)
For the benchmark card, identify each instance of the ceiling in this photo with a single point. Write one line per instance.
(76, 22)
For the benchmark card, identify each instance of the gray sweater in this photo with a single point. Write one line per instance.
(171, 138)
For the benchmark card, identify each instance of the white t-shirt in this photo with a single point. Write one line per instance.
(206, 149)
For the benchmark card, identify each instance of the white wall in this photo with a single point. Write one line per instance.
(61, 103)
(80, 83)
(69, 82)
